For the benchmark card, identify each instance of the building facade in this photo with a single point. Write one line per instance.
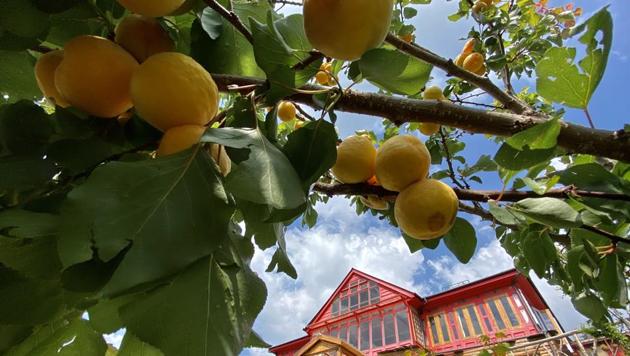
(379, 318)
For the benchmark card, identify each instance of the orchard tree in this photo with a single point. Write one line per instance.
(146, 146)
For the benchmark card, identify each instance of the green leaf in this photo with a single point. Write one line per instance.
(132, 346)
(24, 128)
(266, 177)
(589, 306)
(538, 137)
(502, 215)
(33, 258)
(281, 260)
(105, 316)
(483, 164)
(11, 335)
(255, 340)
(25, 172)
(27, 224)
(176, 203)
(312, 150)
(516, 160)
(16, 76)
(395, 71)
(22, 18)
(548, 211)
(540, 252)
(265, 234)
(74, 338)
(461, 240)
(206, 310)
(414, 245)
(612, 282)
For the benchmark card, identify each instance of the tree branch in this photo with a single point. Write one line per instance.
(232, 18)
(450, 68)
(573, 137)
(470, 194)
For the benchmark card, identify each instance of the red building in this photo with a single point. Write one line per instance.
(377, 317)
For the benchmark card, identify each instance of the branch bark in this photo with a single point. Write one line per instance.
(573, 137)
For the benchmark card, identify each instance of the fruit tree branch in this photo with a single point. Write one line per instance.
(450, 68)
(471, 194)
(232, 18)
(572, 137)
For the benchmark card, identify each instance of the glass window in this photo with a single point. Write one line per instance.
(354, 300)
(374, 293)
(402, 323)
(434, 333)
(444, 328)
(496, 315)
(462, 322)
(344, 305)
(453, 324)
(343, 333)
(508, 310)
(484, 316)
(365, 336)
(474, 320)
(352, 336)
(388, 327)
(334, 332)
(335, 307)
(377, 336)
(363, 298)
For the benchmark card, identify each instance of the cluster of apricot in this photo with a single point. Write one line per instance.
(324, 75)
(470, 60)
(431, 93)
(424, 208)
(482, 5)
(104, 78)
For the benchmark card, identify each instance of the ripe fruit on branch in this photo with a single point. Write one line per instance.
(143, 37)
(408, 37)
(429, 128)
(323, 76)
(459, 60)
(474, 62)
(179, 139)
(469, 46)
(171, 89)
(431, 93)
(45, 76)
(400, 161)
(426, 209)
(355, 160)
(152, 8)
(94, 76)
(346, 29)
(374, 202)
(286, 111)
(220, 156)
(479, 7)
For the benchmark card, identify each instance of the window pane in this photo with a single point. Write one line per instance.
(365, 335)
(497, 316)
(444, 328)
(434, 330)
(335, 307)
(354, 300)
(388, 326)
(334, 333)
(377, 337)
(462, 322)
(453, 324)
(352, 336)
(344, 305)
(363, 297)
(508, 310)
(402, 322)
(374, 293)
(343, 333)
(474, 319)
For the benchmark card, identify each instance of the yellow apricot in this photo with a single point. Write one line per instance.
(429, 128)
(479, 7)
(374, 202)
(459, 60)
(220, 156)
(179, 139)
(152, 8)
(400, 161)
(346, 29)
(482, 70)
(355, 160)
(94, 76)
(170, 89)
(143, 37)
(408, 37)
(286, 111)
(433, 93)
(426, 209)
(45, 76)
(469, 46)
(474, 62)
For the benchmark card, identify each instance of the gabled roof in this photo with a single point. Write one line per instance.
(355, 272)
(343, 346)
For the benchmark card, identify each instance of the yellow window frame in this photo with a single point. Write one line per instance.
(438, 328)
(502, 313)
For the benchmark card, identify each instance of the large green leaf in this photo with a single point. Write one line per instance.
(266, 177)
(612, 282)
(207, 310)
(266, 234)
(105, 316)
(548, 211)
(510, 158)
(11, 335)
(27, 224)
(17, 79)
(35, 258)
(312, 150)
(132, 346)
(589, 306)
(395, 71)
(461, 240)
(561, 81)
(280, 260)
(538, 137)
(176, 203)
(539, 251)
(72, 339)
(22, 18)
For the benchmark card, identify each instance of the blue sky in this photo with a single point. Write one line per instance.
(341, 240)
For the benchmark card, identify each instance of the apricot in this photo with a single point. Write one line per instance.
(474, 62)
(286, 111)
(45, 75)
(374, 202)
(179, 139)
(152, 8)
(400, 161)
(355, 160)
(143, 37)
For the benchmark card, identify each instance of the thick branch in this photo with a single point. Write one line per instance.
(232, 18)
(470, 194)
(450, 68)
(574, 138)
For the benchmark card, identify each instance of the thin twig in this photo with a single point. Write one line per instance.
(449, 161)
(232, 17)
(312, 57)
(588, 116)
